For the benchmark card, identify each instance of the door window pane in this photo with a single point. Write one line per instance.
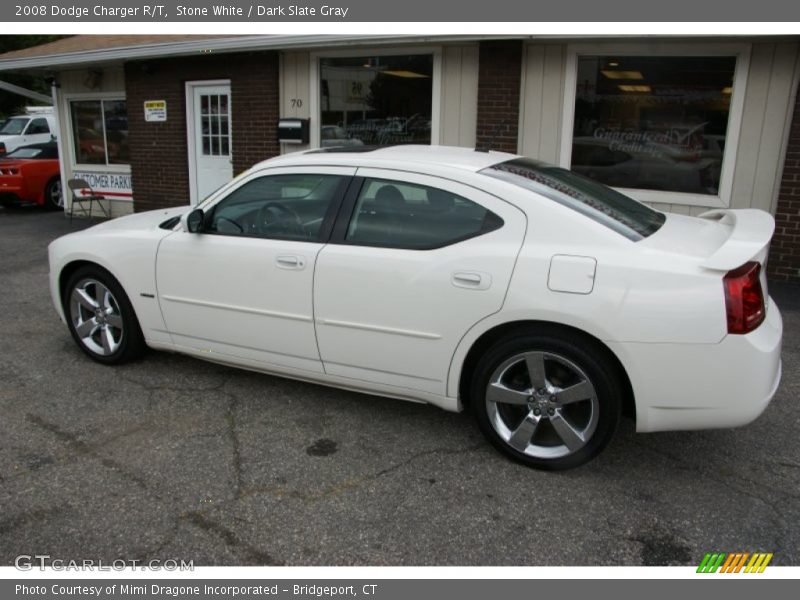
(655, 123)
(214, 117)
(116, 120)
(37, 127)
(376, 100)
(404, 215)
(289, 207)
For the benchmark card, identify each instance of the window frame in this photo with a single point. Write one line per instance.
(741, 52)
(347, 209)
(70, 137)
(315, 89)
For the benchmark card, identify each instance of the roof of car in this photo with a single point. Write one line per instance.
(447, 156)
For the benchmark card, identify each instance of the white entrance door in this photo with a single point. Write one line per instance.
(212, 138)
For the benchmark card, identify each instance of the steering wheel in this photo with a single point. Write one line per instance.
(275, 217)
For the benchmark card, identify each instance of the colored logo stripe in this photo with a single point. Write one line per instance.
(734, 562)
(711, 562)
(758, 563)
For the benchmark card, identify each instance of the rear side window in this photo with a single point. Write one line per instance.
(600, 203)
(396, 214)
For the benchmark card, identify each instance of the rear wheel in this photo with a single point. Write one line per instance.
(101, 318)
(550, 401)
(53, 195)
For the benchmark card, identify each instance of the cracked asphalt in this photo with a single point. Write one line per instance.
(171, 457)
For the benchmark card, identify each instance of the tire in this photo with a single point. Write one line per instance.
(562, 422)
(100, 317)
(54, 195)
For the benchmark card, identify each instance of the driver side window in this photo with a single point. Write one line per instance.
(283, 207)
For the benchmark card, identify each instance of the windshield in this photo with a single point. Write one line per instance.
(26, 153)
(13, 126)
(600, 203)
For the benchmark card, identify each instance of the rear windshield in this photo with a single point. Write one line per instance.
(600, 203)
(13, 126)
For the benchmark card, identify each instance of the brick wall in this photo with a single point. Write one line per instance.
(784, 255)
(499, 73)
(159, 152)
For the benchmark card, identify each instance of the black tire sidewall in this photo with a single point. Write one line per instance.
(585, 354)
(49, 203)
(132, 344)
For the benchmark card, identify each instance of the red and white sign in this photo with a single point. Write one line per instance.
(116, 186)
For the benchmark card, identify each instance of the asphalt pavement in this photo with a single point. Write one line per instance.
(174, 458)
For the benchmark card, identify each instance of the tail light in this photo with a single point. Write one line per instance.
(744, 298)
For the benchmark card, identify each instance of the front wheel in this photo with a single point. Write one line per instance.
(101, 318)
(549, 401)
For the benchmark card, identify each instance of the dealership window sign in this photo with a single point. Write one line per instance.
(155, 111)
(660, 125)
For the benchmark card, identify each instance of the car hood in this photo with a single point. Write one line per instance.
(7, 163)
(139, 221)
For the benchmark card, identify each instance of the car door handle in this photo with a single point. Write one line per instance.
(472, 280)
(290, 262)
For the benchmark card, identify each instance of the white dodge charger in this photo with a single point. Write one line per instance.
(545, 303)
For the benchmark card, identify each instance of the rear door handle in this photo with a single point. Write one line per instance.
(288, 261)
(472, 280)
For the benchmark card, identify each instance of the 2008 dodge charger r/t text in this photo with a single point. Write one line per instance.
(545, 303)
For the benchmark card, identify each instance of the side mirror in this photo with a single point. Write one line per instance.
(194, 221)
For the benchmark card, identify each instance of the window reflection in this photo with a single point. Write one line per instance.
(100, 132)
(378, 100)
(656, 123)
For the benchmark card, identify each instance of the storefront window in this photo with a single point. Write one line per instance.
(378, 100)
(100, 132)
(653, 123)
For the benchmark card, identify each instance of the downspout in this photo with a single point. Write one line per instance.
(67, 198)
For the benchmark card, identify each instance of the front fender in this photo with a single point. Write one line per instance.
(129, 258)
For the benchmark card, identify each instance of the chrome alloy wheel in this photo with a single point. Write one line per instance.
(542, 405)
(96, 317)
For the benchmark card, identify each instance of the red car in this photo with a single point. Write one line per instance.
(30, 175)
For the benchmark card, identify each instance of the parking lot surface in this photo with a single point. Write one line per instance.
(174, 458)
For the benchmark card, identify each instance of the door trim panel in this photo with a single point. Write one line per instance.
(242, 309)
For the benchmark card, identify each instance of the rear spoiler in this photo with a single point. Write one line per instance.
(751, 232)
